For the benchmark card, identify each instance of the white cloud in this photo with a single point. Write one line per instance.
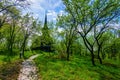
(61, 13)
(52, 15)
(38, 8)
(55, 3)
(54, 19)
(36, 16)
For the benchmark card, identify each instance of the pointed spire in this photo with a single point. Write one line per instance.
(45, 23)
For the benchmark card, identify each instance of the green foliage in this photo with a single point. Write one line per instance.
(92, 17)
(46, 39)
(89, 18)
(36, 38)
(112, 49)
(60, 50)
(35, 42)
(29, 53)
(68, 33)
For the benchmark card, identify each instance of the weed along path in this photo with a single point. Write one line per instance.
(29, 70)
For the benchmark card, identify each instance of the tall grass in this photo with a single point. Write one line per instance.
(78, 68)
(10, 65)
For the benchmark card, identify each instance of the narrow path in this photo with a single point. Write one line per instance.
(29, 70)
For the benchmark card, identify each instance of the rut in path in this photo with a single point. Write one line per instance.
(29, 70)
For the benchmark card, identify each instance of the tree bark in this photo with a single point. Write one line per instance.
(23, 48)
(99, 55)
(68, 52)
(92, 58)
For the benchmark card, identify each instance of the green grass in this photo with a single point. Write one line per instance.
(10, 66)
(5, 58)
(78, 68)
(29, 53)
(10, 71)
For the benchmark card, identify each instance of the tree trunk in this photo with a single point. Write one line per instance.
(99, 55)
(68, 53)
(103, 54)
(23, 48)
(23, 51)
(90, 49)
(99, 58)
(92, 58)
(11, 50)
(20, 55)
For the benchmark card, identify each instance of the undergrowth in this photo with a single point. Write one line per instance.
(78, 68)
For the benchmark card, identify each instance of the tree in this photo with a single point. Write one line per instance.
(88, 15)
(6, 4)
(2, 20)
(10, 31)
(67, 25)
(27, 26)
(111, 47)
(9, 14)
(35, 37)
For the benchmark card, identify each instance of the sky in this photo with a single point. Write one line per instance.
(39, 7)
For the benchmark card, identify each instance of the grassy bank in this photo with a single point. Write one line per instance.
(78, 68)
(10, 66)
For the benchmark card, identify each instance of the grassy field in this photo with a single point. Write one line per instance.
(78, 68)
(10, 67)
